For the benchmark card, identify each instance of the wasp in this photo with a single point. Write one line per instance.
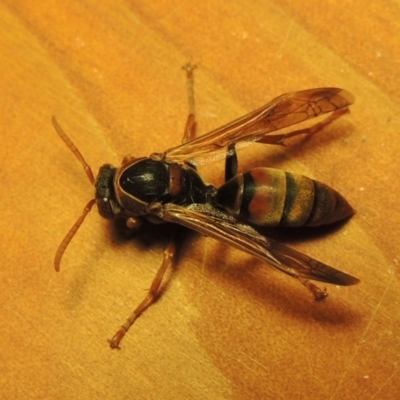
(166, 187)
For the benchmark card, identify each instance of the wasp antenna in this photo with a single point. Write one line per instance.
(68, 237)
(73, 148)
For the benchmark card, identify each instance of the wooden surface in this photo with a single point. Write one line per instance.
(227, 326)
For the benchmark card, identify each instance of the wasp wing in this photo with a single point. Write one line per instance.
(209, 221)
(285, 110)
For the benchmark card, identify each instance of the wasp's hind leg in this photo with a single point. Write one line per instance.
(231, 162)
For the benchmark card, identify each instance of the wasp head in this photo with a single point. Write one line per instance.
(106, 201)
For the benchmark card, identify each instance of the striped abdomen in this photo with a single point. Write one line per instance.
(269, 197)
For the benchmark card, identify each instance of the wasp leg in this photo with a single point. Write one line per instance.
(280, 139)
(319, 294)
(231, 163)
(152, 294)
(190, 127)
(172, 248)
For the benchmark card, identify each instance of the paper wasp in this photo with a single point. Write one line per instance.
(166, 187)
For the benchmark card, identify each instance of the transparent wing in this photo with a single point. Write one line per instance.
(283, 111)
(208, 221)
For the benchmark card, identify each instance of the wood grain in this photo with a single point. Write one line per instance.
(227, 326)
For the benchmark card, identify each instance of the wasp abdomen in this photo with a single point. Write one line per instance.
(270, 197)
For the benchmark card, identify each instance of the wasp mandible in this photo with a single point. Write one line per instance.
(166, 187)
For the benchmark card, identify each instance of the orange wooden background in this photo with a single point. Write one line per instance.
(227, 326)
